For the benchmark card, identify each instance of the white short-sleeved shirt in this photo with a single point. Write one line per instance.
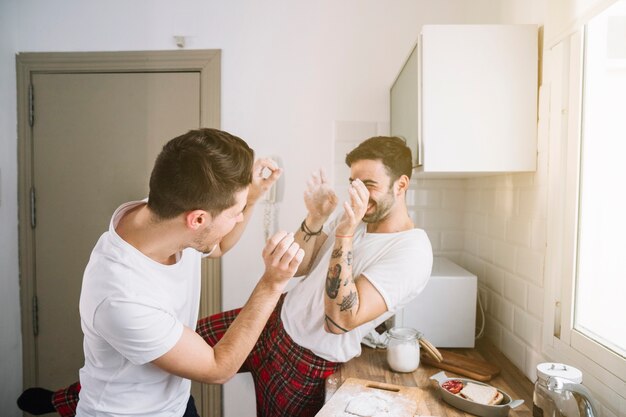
(397, 264)
(132, 311)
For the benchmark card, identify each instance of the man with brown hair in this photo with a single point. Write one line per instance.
(141, 288)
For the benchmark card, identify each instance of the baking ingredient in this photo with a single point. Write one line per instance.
(399, 401)
(367, 405)
(403, 357)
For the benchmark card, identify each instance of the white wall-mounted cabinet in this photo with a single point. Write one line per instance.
(466, 99)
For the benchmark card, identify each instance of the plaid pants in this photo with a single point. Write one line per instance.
(288, 379)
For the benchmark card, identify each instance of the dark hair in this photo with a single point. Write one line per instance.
(391, 150)
(202, 169)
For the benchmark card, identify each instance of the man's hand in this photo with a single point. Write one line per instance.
(265, 172)
(193, 358)
(282, 257)
(319, 198)
(355, 209)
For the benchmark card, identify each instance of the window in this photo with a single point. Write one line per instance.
(585, 280)
(600, 289)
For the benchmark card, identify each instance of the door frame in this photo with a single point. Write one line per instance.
(208, 64)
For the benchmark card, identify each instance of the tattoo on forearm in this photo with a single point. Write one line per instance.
(349, 258)
(330, 321)
(333, 281)
(336, 253)
(348, 301)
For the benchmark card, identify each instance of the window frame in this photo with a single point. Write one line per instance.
(561, 342)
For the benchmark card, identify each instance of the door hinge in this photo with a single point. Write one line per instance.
(33, 218)
(31, 106)
(35, 316)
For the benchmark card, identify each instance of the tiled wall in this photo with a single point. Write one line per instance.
(493, 226)
(505, 241)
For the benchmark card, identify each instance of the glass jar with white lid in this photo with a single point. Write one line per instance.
(547, 403)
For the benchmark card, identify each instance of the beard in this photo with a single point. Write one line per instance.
(382, 208)
(204, 243)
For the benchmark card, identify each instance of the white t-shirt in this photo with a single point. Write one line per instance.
(132, 311)
(397, 264)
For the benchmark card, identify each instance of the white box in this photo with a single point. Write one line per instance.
(445, 311)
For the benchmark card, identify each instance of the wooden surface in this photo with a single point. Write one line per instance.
(372, 365)
(469, 367)
(398, 400)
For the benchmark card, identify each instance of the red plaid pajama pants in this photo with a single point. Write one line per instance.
(288, 379)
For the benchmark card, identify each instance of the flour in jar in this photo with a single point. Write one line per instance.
(403, 357)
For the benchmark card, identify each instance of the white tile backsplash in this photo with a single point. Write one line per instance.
(518, 231)
(452, 240)
(532, 359)
(504, 245)
(488, 200)
(515, 290)
(495, 278)
(514, 348)
(535, 301)
(505, 201)
(504, 313)
(539, 231)
(496, 227)
(424, 198)
(505, 256)
(485, 248)
(452, 199)
(527, 328)
(529, 264)
(493, 331)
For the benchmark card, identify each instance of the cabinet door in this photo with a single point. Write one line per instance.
(404, 104)
(479, 98)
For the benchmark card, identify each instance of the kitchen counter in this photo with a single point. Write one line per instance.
(372, 365)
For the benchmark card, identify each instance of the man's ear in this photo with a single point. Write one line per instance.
(403, 184)
(195, 219)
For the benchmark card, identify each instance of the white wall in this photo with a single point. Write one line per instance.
(290, 71)
(10, 332)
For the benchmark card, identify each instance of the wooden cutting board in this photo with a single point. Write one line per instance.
(463, 365)
(396, 399)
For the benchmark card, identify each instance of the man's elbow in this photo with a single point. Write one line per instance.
(218, 377)
(221, 380)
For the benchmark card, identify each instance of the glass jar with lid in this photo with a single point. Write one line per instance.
(403, 349)
(548, 403)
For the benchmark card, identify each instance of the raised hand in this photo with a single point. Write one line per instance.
(265, 172)
(319, 197)
(355, 209)
(282, 257)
